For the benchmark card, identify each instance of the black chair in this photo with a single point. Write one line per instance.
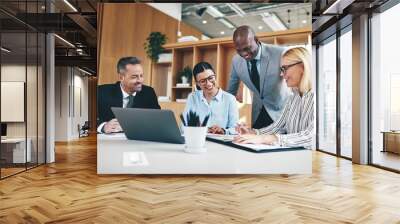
(84, 130)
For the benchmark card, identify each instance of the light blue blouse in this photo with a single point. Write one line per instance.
(222, 108)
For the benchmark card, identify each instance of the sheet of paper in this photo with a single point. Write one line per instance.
(258, 147)
(226, 138)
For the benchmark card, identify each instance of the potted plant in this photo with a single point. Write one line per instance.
(184, 76)
(154, 45)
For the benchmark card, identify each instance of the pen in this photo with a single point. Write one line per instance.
(183, 120)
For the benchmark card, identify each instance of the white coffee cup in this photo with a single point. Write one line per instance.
(195, 139)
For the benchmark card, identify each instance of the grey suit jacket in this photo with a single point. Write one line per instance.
(273, 90)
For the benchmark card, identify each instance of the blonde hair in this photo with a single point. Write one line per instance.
(296, 54)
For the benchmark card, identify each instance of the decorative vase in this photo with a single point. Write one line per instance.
(184, 79)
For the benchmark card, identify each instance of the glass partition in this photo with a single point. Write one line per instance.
(22, 88)
(14, 144)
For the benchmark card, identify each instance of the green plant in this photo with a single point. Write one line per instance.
(185, 72)
(154, 45)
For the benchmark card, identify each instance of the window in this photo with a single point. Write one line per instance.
(327, 97)
(385, 89)
(346, 93)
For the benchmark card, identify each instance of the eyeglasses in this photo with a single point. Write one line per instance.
(284, 68)
(210, 78)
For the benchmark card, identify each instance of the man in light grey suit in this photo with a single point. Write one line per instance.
(257, 65)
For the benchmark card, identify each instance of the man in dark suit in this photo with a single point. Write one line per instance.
(129, 92)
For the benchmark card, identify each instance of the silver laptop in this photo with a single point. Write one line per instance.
(149, 124)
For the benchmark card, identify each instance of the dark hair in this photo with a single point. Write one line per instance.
(123, 62)
(199, 68)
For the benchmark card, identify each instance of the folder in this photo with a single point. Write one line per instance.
(255, 148)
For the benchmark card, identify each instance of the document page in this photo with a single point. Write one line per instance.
(225, 138)
(258, 147)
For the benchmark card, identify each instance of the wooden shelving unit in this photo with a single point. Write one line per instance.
(218, 52)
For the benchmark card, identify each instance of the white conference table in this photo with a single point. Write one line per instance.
(117, 155)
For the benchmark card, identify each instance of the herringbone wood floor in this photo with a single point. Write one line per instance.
(70, 191)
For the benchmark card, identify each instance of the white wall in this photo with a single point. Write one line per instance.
(172, 9)
(71, 102)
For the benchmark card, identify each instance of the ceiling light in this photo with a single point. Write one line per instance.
(79, 50)
(204, 21)
(226, 23)
(222, 32)
(84, 71)
(214, 12)
(43, 7)
(273, 21)
(304, 21)
(5, 50)
(236, 9)
(65, 41)
(70, 5)
(338, 6)
(260, 27)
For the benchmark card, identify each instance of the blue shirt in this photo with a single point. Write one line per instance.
(222, 109)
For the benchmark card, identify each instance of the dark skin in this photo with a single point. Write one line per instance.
(246, 43)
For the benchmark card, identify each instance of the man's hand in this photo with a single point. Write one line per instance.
(215, 129)
(112, 126)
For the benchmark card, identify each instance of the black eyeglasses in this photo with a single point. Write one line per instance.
(210, 78)
(284, 68)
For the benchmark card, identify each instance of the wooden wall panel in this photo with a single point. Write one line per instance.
(92, 90)
(123, 29)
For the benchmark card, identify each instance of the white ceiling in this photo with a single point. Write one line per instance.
(292, 15)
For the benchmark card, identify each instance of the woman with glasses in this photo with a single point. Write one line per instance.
(295, 127)
(213, 101)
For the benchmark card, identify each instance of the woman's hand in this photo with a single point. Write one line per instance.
(243, 129)
(215, 129)
(256, 139)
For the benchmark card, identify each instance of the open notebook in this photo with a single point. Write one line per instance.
(256, 148)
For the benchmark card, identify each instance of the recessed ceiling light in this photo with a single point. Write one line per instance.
(70, 5)
(5, 50)
(204, 21)
(260, 27)
(304, 21)
(43, 7)
(222, 32)
(65, 41)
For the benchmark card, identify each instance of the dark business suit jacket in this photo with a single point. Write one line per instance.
(110, 95)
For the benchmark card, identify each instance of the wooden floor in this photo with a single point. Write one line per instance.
(386, 159)
(70, 191)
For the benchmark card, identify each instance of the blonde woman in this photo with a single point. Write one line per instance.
(295, 127)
